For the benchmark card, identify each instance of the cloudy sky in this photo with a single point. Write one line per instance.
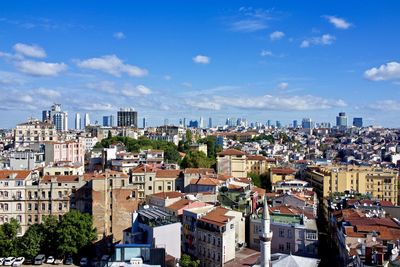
(260, 60)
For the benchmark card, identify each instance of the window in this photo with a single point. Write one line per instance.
(19, 206)
(29, 206)
(281, 247)
(122, 182)
(150, 188)
(281, 232)
(6, 194)
(59, 194)
(150, 178)
(289, 233)
(43, 206)
(287, 246)
(19, 194)
(5, 206)
(159, 187)
(36, 206)
(19, 218)
(311, 235)
(43, 194)
(59, 206)
(5, 183)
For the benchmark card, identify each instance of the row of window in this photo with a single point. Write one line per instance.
(209, 254)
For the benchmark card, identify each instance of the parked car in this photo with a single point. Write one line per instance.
(29, 261)
(68, 260)
(50, 259)
(1, 261)
(18, 261)
(39, 259)
(83, 262)
(58, 261)
(9, 261)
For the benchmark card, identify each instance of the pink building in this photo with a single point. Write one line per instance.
(68, 151)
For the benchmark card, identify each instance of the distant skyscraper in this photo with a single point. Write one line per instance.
(341, 120)
(46, 115)
(295, 124)
(278, 124)
(201, 122)
(126, 118)
(59, 118)
(269, 123)
(144, 123)
(358, 122)
(193, 124)
(86, 120)
(210, 123)
(184, 123)
(107, 121)
(78, 121)
(306, 123)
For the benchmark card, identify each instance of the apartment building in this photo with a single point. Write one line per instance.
(150, 180)
(33, 132)
(212, 234)
(232, 162)
(278, 174)
(378, 183)
(12, 196)
(125, 161)
(113, 199)
(293, 232)
(68, 151)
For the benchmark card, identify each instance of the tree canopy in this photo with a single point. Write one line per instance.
(197, 159)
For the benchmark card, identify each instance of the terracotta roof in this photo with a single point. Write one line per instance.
(282, 171)
(144, 168)
(199, 171)
(260, 191)
(284, 209)
(180, 204)
(205, 181)
(166, 195)
(216, 216)
(103, 175)
(61, 178)
(231, 152)
(167, 173)
(19, 174)
(256, 157)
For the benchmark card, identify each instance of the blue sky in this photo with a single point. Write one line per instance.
(260, 60)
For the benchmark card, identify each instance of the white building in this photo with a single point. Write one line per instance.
(87, 119)
(78, 121)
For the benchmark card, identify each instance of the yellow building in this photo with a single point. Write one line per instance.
(381, 184)
(279, 174)
(232, 162)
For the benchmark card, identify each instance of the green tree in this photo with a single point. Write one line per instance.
(8, 236)
(74, 233)
(187, 261)
(49, 230)
(196, 159)
(189, 136)
(256, 179)
(109, 135)
(30, 244)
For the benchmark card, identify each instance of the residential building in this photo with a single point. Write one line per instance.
(71, 151)
(150, 225)
(378, 183)
(13, 198)
(293, 232)
(34, 132)
(232, 162)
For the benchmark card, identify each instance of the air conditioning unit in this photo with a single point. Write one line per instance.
(136, 261)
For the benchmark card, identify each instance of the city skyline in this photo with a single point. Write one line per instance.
(261, 61)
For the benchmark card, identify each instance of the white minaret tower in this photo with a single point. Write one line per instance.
(265, 237)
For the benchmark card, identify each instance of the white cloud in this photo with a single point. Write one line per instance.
(325, 39)
(167, 77)
(339, 23)
(283, 85)
(385, 105)
(29, 50)
(48, 93)
(276, 35)
(187, 84)
(388, 71)
(250, 19)
(119, 35)
(267, 102)
(40, 68)
(131, 91)
(201, 59)
(266, 53)
(111, 64)
(97, 107)
(103, 86)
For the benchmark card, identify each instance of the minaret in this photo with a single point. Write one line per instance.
(265, 237)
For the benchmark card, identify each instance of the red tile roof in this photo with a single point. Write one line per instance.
(167, 173)
(166, 195)
(19, 174)
(283, 171)
(216, 216)
(61, 178)
(231, 152)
